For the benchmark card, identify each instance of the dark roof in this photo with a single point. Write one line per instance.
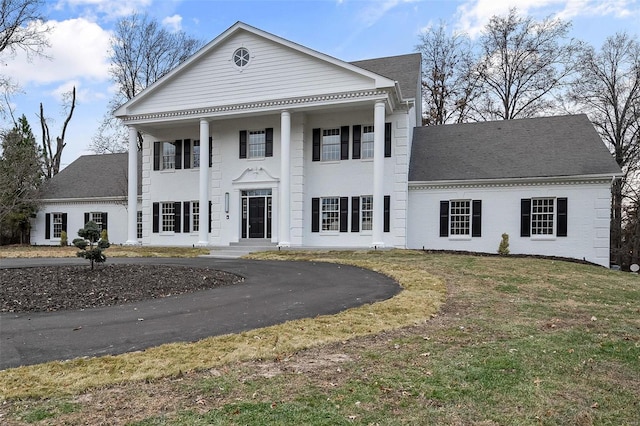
(92, 176)
(405, 69)
(534, 147)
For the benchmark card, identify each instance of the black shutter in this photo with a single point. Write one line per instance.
(64, 222)
(156, 217)
(243, 144)
(210, 152)
(187, 153)
(210, 216)
(444, 218)
(186, 212)
(344, 214)
(387, 213)
(47, 226)
(355, 214)
(561, 230)
(357, 137)
(86, 219)
(525, 217)
(177, 216)
(178, 157)
(387, 139)
(268, 143)
(315, 215)
(476, 218)
(157, 146)
(104, 221)
(344, 143)
(316, 145)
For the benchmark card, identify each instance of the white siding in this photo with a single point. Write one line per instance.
(274, 72)
(588, 220)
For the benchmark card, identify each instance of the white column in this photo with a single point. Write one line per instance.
(378, 175)
(203, 232)
(284, 212)
(132, 190)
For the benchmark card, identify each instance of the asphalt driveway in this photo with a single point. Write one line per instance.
(273, 292)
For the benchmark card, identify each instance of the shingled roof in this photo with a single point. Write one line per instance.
(405, 69)
(92, 176)
(534, 147)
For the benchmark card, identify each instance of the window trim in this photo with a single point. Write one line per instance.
(474, 219)
(559, 217)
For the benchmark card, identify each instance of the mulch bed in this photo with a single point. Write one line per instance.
(57, 288)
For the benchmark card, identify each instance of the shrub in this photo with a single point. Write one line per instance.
(503, 248)
(104, 235)
(64, 240)
(90, 237)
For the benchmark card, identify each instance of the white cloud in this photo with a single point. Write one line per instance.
(109, 9)
(79, 50)
(376, 10)
(173, 23)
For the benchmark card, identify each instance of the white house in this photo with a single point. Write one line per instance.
(258, 138)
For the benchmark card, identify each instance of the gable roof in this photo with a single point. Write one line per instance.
(405, 69)
(92, 176)
(534, 147)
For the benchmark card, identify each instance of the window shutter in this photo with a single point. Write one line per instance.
(387, 139)
(243, 144)
(316, 145)
(186, 213)
(210, 152)
(344, 214)
(344, 143)
(525, 217)
(178, 156)
(355, 214)
(476, 218)
(387, 213)
(177, 216)
(47, 226)
(64, 222)
(561, 230)
(268, 142)
(315, 215)
(157, 146)
(86, 218)
(104, 221)
(187, 153)
(210, 216)
(357, 138)
(444, 218)
(156, 217)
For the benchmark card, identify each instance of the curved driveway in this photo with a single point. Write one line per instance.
(273, 292)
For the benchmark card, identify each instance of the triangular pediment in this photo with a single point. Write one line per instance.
(276, 69)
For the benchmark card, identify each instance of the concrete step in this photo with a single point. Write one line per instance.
(241, 248)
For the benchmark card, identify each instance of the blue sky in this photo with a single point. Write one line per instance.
(346, 29)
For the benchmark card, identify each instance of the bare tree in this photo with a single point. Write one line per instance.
(53, 157)
(142, 51)
(448, 85)
(524, 64)
(608, 89)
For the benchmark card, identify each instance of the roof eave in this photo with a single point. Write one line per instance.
(522, 180)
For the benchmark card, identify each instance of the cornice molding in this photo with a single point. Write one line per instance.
(502, 183)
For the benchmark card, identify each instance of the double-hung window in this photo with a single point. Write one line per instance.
(195, 154)
(330, 214)
(366, 213)
(330, 145)
(543, 217)
(57, 224)
(195, 216)
(367, 142)
(168, 156)
(257, 143)
(168, 217)
(461, 218)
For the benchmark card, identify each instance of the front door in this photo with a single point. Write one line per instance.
(256, 213)
(256, 217)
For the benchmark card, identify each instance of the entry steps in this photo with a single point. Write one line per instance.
(241, 248)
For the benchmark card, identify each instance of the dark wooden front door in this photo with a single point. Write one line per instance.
(256, 217)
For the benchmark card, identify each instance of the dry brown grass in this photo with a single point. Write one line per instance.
(31, 252)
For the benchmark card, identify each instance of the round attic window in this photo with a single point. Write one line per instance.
(241, 57)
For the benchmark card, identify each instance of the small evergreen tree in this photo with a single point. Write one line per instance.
(503, 248)
(90, 244)
(63, 239)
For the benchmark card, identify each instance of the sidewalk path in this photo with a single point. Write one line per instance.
(273, 292)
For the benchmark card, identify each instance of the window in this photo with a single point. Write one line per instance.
(366, 214)
(168, 217)
(195, 154)
(367, 142)
(168, 156)
(139, 225)
(331, 214)
(330, 145)
(257, 142)
(543, 217)
(241, 57)
(195, 216)
(57, 224)
(461, 218)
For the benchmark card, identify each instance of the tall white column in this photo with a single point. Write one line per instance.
(284, 212)
(132, 190)
(203, 232)
(378, 175)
